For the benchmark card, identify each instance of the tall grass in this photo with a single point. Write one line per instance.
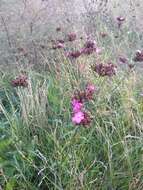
(41, 149)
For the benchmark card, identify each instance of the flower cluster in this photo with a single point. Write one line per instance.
(21, 80)
(120, 21)
(105, 69)
(90, 47)
(58, 45)
(123, 60)
(79, 116)
(139, 56)
(71, 37)
(74, 54)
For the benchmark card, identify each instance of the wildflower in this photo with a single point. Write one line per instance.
(81, 118)
(89, 91)
(90, 44)
(123, 60)
(58, 46)
(139, 56)
(20, 81)
(61, 41)
(71, 37)
(105, 69)
(78, 117)
(120, 21)
(76, 105)
(87, 119)
(74, 54)
(90, 47)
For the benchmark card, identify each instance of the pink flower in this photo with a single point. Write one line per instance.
(91, 88)
(90, 47)
(58, 46)
(78, 117)
(76, 105)
(21, 80)
(120, 19)
(71, 37)
(89, 91)
(139, 56)
(74, 54)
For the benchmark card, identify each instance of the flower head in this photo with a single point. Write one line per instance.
(139, 56)
(120, 21)
(21, 80)
(58, 46)
(76, 105)
(74, 54)
(89, 91)
(81, 118)
(90, 47)
(71, 37)
(105, 69)
(78, 117)
(123, 60)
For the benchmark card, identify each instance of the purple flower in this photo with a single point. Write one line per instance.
(21, 80)
(139, 56)
(58, 46)
(120, 21)
(123, 60)
(71, 37)
(90, 47)
(61, 41)
(89, 91)
(105, 69)
(76, 105)
(78, 118)
(81, 118)
(90, 44)
(74, 54)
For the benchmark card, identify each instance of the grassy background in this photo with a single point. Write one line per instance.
(40, 148)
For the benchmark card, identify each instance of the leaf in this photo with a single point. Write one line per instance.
(10, 185)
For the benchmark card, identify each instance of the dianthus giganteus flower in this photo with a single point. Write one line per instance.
(74, 54)
(72, 37)
(79, 115)
(139, 56)
(120, 21)
(20, 81)
(90, 47)
(58, 45)
(108, 69)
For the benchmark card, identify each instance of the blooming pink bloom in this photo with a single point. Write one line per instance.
(90, 47)
(58, 46)
(71, 37)
(21, 80)
(98, 50)
(91, 88)
(76, 105)
(120, 19)
(78, 117)
(74, 54)
(139, 56)
(89, 91)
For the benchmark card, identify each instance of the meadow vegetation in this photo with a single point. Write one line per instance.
(71, 107)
